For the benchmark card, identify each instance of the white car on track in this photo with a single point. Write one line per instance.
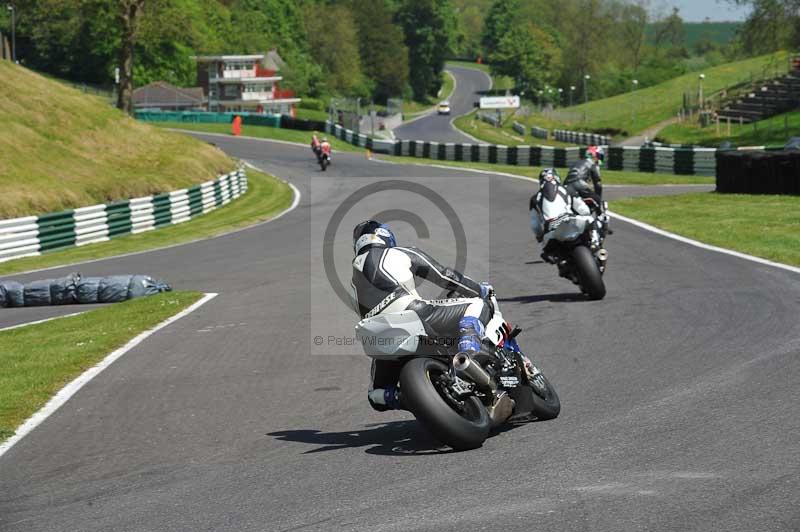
(443, 108)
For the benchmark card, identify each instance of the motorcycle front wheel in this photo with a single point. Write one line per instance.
(546, 404)
(462, 424)
(589, 274)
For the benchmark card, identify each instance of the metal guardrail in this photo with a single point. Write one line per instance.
(34, 235)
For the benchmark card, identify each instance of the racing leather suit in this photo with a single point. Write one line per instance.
(383, 282)
(577, 180)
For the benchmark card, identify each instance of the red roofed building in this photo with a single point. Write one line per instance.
(244, 83)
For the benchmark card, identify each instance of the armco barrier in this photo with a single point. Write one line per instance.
(694, 161)
(34, 235)
(580, 137)
(253, 119)
(758, 172)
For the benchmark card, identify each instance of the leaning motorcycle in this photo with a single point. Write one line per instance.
(457, 397)
(575, 244)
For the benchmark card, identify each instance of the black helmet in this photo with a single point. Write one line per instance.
(372, 233)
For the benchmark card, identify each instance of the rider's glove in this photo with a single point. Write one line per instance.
(487, 290)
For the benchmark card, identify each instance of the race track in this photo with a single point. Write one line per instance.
(439, 128)
(679, 389)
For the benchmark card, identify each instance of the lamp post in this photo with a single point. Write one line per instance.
(701, 77)
(586, 79)
(571, 90)
(13, 33)
(560, 100)
(633, 106)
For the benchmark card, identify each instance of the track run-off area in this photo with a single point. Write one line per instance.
(678, 390)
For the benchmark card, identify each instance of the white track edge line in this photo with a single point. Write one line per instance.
(637, 223)
(709, 247)
(293, 206)
(72, 388)
(21, 325)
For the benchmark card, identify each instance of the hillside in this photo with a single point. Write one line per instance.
(635, 111)
(63, 149)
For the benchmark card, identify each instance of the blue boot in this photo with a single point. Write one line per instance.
(471, 331)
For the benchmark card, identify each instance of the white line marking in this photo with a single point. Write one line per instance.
(701, 245)
(72, 388)
(637, 223)
(20, 325)
(151, 250)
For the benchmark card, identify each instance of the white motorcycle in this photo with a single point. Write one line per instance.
(456, 397)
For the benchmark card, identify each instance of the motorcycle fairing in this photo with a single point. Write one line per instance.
(390, 336)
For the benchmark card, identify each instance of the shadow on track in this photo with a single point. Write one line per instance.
(563, 297)
(393, 438)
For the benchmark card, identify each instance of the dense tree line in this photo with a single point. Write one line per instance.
(366, 48)
(543, 44)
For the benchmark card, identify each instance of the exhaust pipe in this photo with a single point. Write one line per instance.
(602, 255)
(467, 367)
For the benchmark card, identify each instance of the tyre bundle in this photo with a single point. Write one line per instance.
(75, 289)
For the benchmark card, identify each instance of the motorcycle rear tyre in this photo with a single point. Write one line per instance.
(437, 416)
(589, 274)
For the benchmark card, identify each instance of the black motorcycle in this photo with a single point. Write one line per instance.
(460, 398)
(324, 161)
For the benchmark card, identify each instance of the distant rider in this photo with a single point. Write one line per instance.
(383, 282)
(325, 147)
(585, 170)
(550, 205)
(316, 145)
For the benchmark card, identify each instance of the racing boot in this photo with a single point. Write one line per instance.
(471, 331)
(383, 399)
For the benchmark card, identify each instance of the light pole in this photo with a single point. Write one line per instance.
(701, 77)
(586, 79)
(633, 109)
(13, 33)
(571, 90)
(560, 100)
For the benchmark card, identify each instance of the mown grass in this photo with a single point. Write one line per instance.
(774, 131)
(38, 360)
(413, 108)
(637, 110)
(765, 226)
(62, 149)
(263, 132)
(266, 196)
(504, 135)
(610, 177)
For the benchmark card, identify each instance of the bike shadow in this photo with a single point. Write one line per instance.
(563, 297)
(393, 438)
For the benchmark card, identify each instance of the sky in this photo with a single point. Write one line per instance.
(698, 10)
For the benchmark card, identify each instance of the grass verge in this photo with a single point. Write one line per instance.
(774, 131)
(504, 135)
(637, 110)
(262, 132)
(38, 360)
(60, 149)
(764, 226)
(266, 196)
(610, 177)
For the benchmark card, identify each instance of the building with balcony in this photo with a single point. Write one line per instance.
(237, 83)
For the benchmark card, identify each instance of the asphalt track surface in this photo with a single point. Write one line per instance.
(679, 389)
(439, 128)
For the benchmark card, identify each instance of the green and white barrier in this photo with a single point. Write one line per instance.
(580, 137)
(685, 161)
(34, 235)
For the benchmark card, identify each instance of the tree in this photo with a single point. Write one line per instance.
(384, 56)
(632, 31)
(528, 55)
(772, 25)
(498, 23)
(670, 30)
(427, 25)
(335, 42)
(129, 11)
